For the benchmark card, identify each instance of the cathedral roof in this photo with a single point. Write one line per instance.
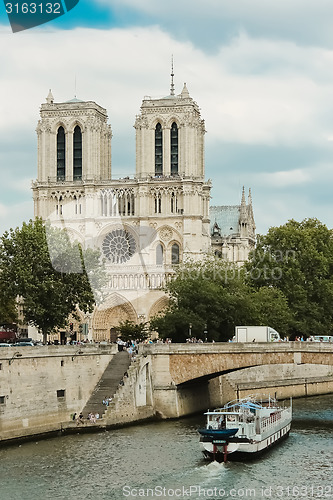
(75, 99)
(226, 217)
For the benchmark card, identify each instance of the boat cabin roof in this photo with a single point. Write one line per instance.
(232, 409)
(222, 412)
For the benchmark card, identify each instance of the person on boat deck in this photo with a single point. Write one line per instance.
(220, 422)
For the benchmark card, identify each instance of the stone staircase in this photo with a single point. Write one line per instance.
(124, 409)
(108, 384)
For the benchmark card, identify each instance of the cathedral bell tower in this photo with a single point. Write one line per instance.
(170, 168)
(74, 151)
(170, 137)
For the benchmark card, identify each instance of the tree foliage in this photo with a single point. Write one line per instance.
(40, 265)
(8, 310)
(297, 260)
(133, 331)
(208, 299)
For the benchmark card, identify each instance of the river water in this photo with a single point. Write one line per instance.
(163, 460)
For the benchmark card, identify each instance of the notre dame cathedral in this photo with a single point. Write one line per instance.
(145, 225)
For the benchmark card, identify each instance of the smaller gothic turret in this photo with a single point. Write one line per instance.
(236, 228)
(243, 216)
(50, 98)
(185, 93)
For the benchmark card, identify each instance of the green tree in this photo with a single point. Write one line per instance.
(8, 310)
(270, 308)
(39, 264)
(297, 259)
(208, 299)
(211, 296)
(133, 331)
(175, 323)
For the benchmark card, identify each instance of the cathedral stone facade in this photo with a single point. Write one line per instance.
(145, 225)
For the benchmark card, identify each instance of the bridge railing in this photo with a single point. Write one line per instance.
(234, 347)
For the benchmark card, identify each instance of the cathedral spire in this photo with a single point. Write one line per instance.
(243, 202)
(250, 212)
(243, 212)
(249, 202)
(172, 88)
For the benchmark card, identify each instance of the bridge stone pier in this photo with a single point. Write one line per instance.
(186, 378)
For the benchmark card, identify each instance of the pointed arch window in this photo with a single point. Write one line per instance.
(158, 150)
(159, 255)
(77, 154)
(158, 203)
(174, 148)
(175, 254)
(174, 203)
(61, 154)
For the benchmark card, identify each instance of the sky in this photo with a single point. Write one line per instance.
(261, 72)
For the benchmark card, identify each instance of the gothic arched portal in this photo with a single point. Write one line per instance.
(106, 319)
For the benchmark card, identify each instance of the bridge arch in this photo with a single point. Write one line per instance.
(188, 362)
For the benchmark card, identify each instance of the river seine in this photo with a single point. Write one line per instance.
(163, 460)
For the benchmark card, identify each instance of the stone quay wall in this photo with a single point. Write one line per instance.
(40, 387)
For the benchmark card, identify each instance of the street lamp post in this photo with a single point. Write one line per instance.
(206, 333)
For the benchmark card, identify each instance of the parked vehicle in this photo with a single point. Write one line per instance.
(7, 335)
(321, 338)
(256, 334)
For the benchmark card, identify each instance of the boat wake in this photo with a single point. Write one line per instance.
(214, 465)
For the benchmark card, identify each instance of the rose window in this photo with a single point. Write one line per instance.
(118, 246)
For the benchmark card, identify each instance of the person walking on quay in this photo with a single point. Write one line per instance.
(80, 419)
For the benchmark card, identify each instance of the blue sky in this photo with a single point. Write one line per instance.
(262, 73)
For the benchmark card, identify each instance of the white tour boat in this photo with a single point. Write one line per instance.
(244, 427)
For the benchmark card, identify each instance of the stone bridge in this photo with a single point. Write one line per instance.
(180, 377)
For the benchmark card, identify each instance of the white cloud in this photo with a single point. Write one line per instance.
(251, 92)
(208, 23)
(274, 106)
(311, 175)
(283, 178)
(3, 211)
(12, 216)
